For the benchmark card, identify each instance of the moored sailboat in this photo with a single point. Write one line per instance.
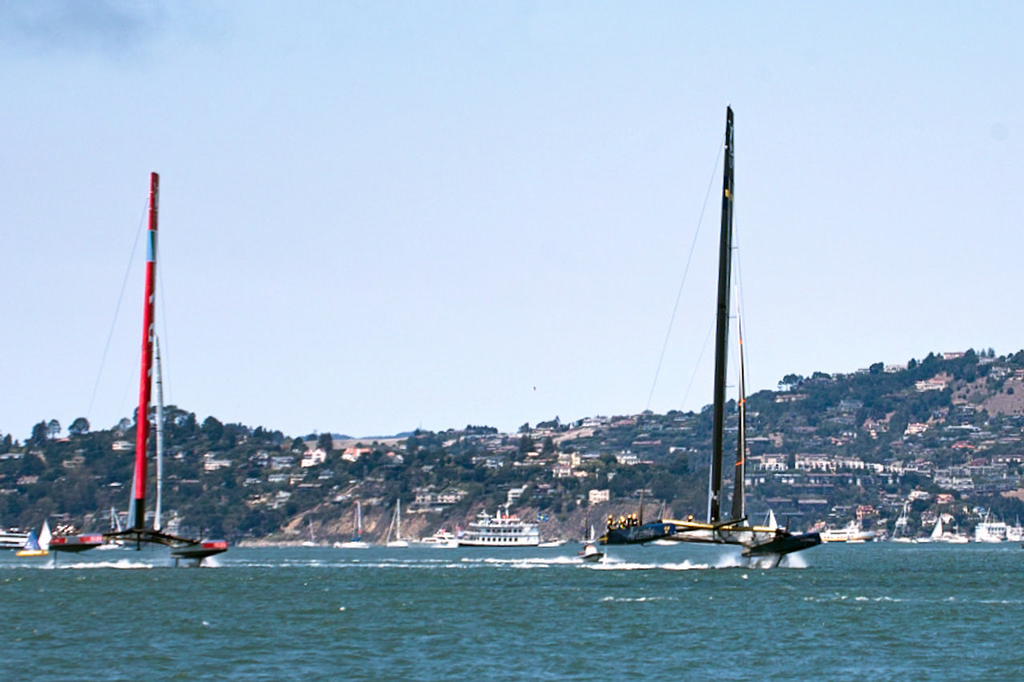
(357, 541)
(899, 529)
(191, 550)
(755, 541)
(396, 526)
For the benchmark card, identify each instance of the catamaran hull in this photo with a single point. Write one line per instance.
(199, 551)
(783, 545)
(755, 540)
(180, 549)
(638, 535)
(75, 543)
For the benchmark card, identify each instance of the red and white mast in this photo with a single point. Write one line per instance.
(145, 381)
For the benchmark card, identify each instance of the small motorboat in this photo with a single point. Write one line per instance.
(591, 553)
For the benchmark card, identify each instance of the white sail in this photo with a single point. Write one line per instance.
(45, 535)
(357, 542)
(396, 525)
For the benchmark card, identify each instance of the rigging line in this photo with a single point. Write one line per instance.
(117, 309)
(165, 354)
(128, 402)
(738, 277)
(686, 270)
(693, 376)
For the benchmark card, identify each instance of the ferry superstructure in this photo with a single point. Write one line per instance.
(990, 531)
(852, 532)
(12, 538)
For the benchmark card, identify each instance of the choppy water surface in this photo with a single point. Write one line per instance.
(837, 612)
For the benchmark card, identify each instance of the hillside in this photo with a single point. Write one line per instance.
(943, 434)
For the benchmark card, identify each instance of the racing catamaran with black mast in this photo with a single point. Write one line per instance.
(756, 541)
(180, 548)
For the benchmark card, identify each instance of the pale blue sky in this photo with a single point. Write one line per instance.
(377, 216)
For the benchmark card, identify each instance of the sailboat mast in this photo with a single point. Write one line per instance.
(157, 508)
(722, 327)
(359, 520)
(738, 508)
(145, 381)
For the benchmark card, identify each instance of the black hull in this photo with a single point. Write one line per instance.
(783, 544)
(637, 535)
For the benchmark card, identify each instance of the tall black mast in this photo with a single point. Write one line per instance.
(722, 327)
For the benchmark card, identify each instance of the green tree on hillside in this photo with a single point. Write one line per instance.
(38, 434)
(212, 429)
(79, 427)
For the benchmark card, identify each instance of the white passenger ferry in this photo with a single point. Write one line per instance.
(12, 538)
(851, 533)
(990, 531)
(500, 530)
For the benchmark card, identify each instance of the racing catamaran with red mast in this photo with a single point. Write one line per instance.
(180, 548)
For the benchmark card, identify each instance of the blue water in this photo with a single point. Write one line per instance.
(838, 612)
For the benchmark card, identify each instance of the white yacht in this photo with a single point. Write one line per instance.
(442, 539)
(500, 530)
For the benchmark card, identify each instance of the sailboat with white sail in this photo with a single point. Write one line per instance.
(193, 551)
(721, 529)
(899, 529)
(37, 545)
(311, 542)
(396, 527)
(940, 534)
(357, 541)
